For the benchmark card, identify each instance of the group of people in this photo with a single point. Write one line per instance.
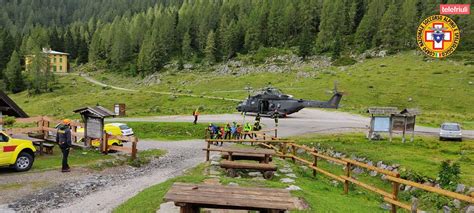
(234, 131)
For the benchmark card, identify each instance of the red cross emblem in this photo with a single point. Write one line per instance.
(438, 43)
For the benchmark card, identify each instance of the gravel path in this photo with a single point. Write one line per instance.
(303, 122)
(104, 192)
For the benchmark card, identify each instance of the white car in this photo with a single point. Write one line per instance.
(124, 128)
(450, 131)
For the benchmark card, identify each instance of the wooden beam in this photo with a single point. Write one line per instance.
(433, 189)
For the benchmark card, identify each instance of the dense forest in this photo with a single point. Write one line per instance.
(138, 37)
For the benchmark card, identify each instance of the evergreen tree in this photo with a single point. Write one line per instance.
(356, 12)
(387, 36)
(40, 74)
(211, 49)
(305, 43)
(411, 20)
(14, 77)
(186, 49)
(369, 25)
(6, 47)
(120, 51)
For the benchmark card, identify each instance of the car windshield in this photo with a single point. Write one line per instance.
(124, 127)
(450, 127)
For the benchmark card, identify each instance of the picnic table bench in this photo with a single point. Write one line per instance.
(192, 197)
(261, 155)
(41, 143)
(244, 156)
(267, 153)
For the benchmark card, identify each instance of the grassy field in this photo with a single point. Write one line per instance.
(77, 158)
(167, 131)
(440, 88)
(423, 156)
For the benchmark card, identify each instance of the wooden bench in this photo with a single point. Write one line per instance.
(192, 197)
(231, 151)
(46, 148)
(267, 169)
(244, 156)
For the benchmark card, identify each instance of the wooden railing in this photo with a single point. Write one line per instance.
(393, 177)
(288, 149)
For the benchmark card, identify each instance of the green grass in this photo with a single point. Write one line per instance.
(92, 159)
(440, 88)
(423, 156)
(77, 158)
(167, 131)
(149, 200)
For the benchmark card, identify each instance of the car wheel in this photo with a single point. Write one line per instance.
(23, 162)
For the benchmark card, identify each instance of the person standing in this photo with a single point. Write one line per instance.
(196, 115)
(63, 138)
(227, 130)
(257, 118)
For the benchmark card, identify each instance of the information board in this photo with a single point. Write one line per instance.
(381, 124)
(94, 128)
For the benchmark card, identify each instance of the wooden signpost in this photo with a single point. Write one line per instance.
(93, 118)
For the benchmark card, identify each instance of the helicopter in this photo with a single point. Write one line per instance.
(271, 101)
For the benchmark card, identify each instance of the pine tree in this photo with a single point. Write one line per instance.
(356, 12)
(211, 49)
(369, 25)
(387, 36)
(14, 77)
(6, 47)
(40, 74)
(305, 43)
(186, 49)
(411, 18)
(120, 51)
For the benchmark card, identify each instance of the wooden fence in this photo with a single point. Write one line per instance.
(288, 149)
(45, 131)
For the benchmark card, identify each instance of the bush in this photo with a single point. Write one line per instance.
(344, 61)
(448, 176)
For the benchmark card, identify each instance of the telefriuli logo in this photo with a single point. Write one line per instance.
(438, 36)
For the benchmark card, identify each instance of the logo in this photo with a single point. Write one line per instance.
(438, 36)
(455, 9)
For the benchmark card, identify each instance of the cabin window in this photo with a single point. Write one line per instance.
(54, 68)
(60, 68)
(60, 60)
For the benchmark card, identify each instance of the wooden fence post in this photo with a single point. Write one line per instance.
(207, 151)
(315, 163)
(134, 148)
(105, 144)
(346, 182)
(293, 149)
(284, 149)
(395, 187)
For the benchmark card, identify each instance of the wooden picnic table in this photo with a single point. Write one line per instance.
(231, 150)
(32, 139)
(191, 197)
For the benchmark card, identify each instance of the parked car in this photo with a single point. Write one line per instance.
(16, 153)
(450, 131)
(119, 128)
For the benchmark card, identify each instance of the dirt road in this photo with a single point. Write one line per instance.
(304, 122)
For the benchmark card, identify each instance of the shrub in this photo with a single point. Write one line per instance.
(344, 61)
(448, 175)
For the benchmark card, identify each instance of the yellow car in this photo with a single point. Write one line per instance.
(17, 153)
(117, 129)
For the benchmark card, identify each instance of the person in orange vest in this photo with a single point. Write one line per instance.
(196, 115)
